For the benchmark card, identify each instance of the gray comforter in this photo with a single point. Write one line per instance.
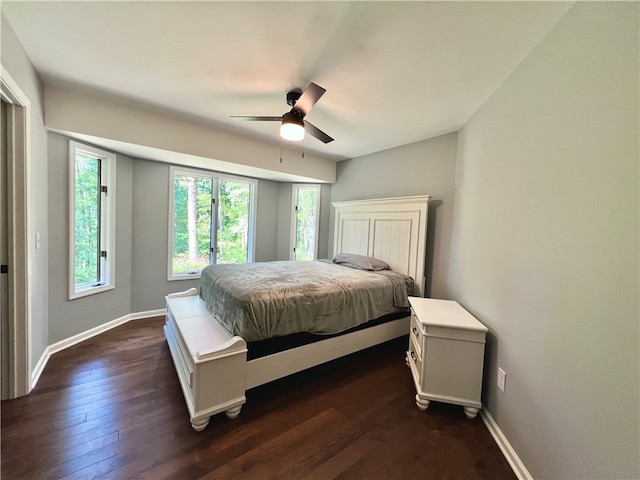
(262, 300)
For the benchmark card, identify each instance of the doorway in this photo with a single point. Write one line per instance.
(14, 281)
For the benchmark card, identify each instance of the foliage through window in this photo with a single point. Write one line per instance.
(92, 220)
(212, 221)
(233, 222)
(305, 215)
(87, 220)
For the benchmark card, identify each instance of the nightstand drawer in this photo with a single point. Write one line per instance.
(414, 357)
(417, 333)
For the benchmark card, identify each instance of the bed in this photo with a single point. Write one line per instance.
(212, 335)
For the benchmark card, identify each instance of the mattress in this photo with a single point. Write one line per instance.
(263, 300)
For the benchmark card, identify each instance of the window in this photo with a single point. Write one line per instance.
(304, 224)
(92, 220)
(212, 221)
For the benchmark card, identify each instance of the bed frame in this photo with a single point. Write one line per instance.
(212, 364)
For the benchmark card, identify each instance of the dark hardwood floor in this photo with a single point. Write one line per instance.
(111, 407)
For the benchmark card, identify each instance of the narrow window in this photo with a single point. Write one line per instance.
(192, 224)
(304, 225)
(234, 218)
(92, 220)
(213, 221)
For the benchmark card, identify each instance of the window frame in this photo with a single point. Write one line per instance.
(293, 238)
(107, 221)
(215, 177)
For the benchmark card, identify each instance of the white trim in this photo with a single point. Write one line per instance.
(39, 368)
(82, 336)
(507, 450)
(158, 312)
(20, 315)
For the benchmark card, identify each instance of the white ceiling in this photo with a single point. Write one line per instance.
(395, 72)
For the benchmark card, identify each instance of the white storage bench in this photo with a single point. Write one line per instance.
(211, 363)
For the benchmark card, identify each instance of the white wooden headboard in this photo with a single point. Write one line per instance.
(391, 229)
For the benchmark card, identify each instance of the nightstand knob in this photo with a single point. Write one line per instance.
(415, 331)
(413, 357)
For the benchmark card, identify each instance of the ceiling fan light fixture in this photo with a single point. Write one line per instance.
(292, 127)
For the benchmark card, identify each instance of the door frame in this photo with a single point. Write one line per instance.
(18, 133)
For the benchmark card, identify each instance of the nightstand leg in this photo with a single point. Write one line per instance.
(233, 412)
(199, 425)
(422, 403)
(471, 412)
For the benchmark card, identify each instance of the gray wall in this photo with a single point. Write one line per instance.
(15, 61)
(284, 221)
(70, 317)
(545, 246)
(426, 167)
(267, 221)
(150, 240)
(325, 221)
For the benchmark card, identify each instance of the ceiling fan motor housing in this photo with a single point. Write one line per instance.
(293, 96)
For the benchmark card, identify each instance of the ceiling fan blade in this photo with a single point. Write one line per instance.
(308, 98)
(316, 132)
(256, 119)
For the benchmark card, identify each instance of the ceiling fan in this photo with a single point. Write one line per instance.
(293, 123)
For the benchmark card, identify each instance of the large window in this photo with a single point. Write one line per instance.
(213, 218)
(92, 220)
(304, 224)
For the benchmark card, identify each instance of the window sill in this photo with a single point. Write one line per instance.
(85, 292)
(186, 276)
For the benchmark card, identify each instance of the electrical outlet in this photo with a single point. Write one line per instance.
(502, 377)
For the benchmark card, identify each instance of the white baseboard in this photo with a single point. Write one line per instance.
(507, 450)
(80, 337)
(39, 368)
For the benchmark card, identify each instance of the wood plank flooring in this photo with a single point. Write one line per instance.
(111, 407)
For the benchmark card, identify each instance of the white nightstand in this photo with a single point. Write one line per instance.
(446, 354)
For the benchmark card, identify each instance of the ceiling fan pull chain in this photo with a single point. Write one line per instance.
(280, 150)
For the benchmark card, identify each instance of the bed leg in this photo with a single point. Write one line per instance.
(199, 425)
(233, 412)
